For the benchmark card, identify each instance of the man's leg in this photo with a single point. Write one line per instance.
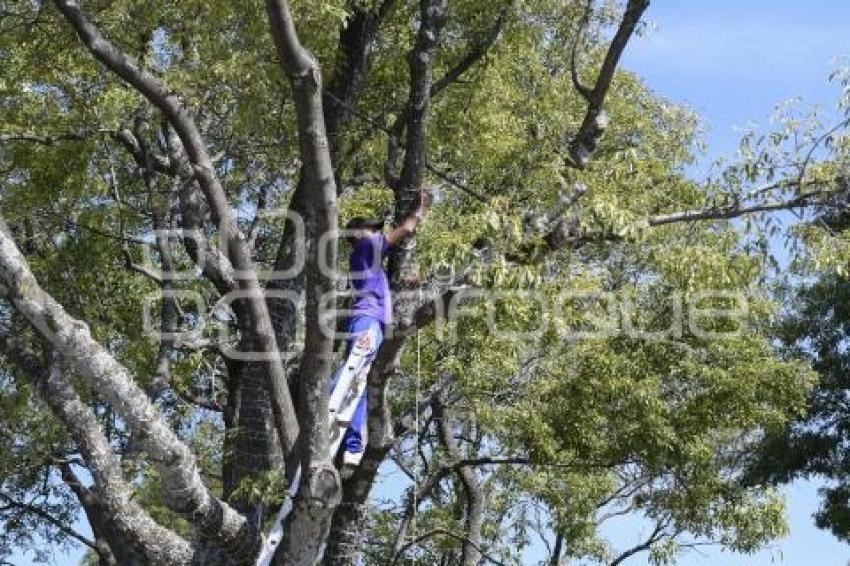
(362, 345)
(355, 434)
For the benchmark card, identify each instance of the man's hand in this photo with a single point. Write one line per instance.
(426, 198)
(410, 223)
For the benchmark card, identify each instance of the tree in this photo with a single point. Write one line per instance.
(148, 150)
(815, 327)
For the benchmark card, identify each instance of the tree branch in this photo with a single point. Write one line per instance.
(53, 139)
(254, 230)
(184, 489)
(203, 168)
(215, 266)
(440, 531)
(452, 180)
(141, 269)
(421, 65)
(354, 51)
(433, 15)
(126, 517)
(476, 53)
(567, 233)
(596, 120)
(471, 549)
(98, 518)
(44, 515)
(320, 492)
(585, 92)
(414, 496)
(734, 210)
(656, 535)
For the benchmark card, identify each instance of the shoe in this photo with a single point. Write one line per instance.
(351, 458)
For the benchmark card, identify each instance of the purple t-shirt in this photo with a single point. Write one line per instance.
(371, 287)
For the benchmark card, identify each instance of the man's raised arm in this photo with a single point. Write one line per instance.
(408, 226)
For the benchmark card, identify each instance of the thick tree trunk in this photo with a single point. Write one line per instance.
(113, 547)
(348, 529)
(284, 295)
(414, 497)
(203, 169)
(131, 534)
(319, 493)
(349, 523)
(253, 448)
(183, 486)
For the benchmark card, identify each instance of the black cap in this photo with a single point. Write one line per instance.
(359, 223)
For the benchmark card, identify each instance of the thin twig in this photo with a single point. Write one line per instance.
(445, 532)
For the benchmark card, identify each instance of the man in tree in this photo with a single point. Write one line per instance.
(370, 314)
(127, 148)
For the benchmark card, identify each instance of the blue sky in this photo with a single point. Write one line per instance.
(732, 61)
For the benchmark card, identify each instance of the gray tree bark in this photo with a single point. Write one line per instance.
(595, 122)
(203, 169)
(185, 491)
(319, 493)
(349, 525)
(119, 519)
(473, 493)
(113, 548)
